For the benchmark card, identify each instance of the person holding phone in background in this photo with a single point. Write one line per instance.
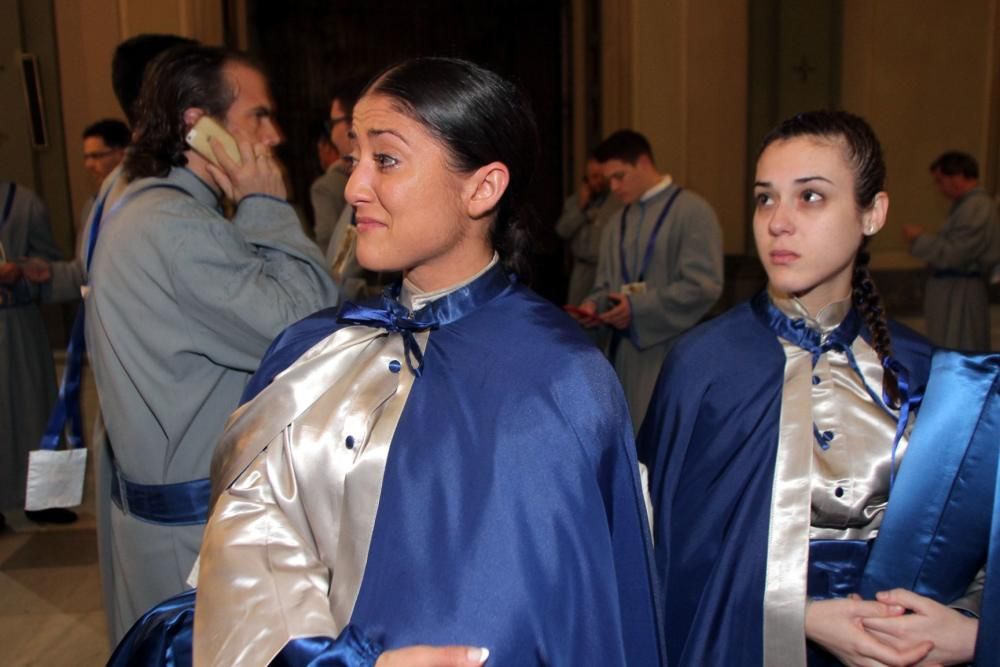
(184, 303)
(659, 269)
(584, 216)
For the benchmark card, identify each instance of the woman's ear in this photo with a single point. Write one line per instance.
(873, 219)
(486, 186)
(191, 116)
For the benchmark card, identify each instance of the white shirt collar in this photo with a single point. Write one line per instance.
(656, 189)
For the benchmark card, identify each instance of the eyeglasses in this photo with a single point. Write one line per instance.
(98, 155)
(332, 122)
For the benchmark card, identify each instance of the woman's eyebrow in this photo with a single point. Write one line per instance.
(374, 132)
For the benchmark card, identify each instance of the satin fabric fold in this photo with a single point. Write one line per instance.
(942, 525)
(318, 443)
(349, 649)
(161, 637)
(509, 514)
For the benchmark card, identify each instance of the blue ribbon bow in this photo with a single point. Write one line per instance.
(390, 315)
(840, 340)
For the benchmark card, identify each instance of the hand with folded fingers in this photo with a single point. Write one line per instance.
(838, 626)
(952, 633)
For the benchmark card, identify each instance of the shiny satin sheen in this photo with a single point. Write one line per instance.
(343, 388)
(833, 492)
(161, 637)
(710, 441)
(509, 516)
(943, 524)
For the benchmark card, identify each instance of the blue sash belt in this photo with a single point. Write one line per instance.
(835, 567)
(180, 504)
(942, 523)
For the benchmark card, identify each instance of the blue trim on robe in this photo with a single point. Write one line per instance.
(710, 439)
(512, 397)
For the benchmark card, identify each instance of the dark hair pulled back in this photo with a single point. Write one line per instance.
(864, 154)
(479, 118)
(180, 78)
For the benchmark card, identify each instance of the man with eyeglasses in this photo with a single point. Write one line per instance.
(104, 144)
(327, 191)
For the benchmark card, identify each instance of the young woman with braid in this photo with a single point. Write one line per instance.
(776, 433)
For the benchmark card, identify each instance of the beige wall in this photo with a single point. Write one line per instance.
(925, 75)
(87, 32)
(676, 71)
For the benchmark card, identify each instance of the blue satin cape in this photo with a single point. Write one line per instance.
(511, 515)
(945, 521)
(710, 439)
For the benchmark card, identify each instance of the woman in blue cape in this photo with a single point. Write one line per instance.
(775, 438)
(451, 464)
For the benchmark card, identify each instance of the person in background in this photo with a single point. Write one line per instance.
(956, 302)
(327, 192)
(27, 374)
(104, 144)
(584, 216)
(183, 303)
(660, 265)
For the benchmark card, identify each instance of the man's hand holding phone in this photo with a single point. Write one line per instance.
(254, 172)
(620, 314)
(586, 314)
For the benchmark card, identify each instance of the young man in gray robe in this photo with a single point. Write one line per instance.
(659, 269)
(960, 256)
(182, 305)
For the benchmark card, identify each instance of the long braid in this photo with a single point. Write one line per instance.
(869, 304)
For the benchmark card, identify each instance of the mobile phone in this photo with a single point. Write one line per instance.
(574, 310)
(207, 127)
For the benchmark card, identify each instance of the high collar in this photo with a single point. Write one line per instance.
(413, 298)
(826, 320)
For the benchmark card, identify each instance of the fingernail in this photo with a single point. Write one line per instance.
(478, 655)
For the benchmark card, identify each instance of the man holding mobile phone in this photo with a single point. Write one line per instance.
(659, 269)
(183, 303)
(584, 215)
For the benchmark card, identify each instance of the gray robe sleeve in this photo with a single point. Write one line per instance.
(572, 218)
(608, 276)
(259, 274)
(694, 253)
(963, 238)
(41, 243)
(328, 201)
(69, 276)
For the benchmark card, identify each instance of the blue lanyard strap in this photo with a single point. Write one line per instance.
(95, 226)
(67, 407)
(648, 256)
